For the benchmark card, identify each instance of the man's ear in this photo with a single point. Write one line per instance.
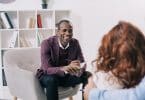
(57, 32)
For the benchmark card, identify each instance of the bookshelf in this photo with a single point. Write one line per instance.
(29, 28)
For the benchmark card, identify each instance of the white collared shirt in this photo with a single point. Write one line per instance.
(60, 45)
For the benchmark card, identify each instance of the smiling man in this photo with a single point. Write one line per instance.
(61, 57)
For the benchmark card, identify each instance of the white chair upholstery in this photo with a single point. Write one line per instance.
(20, 67)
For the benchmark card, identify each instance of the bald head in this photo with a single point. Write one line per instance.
(65, 32)
(58, 25)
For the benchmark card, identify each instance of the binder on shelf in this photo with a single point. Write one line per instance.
(41, 37)
(13, 40)
(38, 39)
(39, 21)
(6, 20)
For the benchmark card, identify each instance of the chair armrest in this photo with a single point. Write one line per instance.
(24, 84)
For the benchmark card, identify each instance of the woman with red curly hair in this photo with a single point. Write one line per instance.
(121, 58)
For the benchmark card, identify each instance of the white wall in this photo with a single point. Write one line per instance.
(92, 18)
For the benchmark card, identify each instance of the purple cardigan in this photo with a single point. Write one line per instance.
(50, 55)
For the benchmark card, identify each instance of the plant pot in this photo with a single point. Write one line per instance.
(44, 6)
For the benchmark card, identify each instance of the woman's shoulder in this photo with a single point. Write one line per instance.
(106, 80)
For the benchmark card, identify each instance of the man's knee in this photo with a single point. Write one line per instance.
(49, 80)
(85, 77)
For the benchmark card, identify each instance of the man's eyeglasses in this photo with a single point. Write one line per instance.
(67, 30)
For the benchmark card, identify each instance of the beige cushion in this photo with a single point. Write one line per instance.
(29, 67)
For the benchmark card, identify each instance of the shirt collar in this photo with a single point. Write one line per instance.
(60, 45)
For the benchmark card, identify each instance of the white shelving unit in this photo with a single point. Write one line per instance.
(27, 33)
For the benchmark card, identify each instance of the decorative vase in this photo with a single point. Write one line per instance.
(44, 6)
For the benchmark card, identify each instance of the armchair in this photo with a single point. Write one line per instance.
(20, 67)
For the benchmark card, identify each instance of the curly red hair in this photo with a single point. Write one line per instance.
(122, 52)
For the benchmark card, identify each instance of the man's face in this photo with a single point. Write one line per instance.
(65, 33)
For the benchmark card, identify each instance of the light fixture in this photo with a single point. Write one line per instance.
(6, 1)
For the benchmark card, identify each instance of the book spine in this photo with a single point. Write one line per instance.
(31, 23)
(39, 21)
(40, 37)
(6, 20)
(1, 24)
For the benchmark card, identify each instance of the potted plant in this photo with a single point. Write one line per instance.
(44, 4)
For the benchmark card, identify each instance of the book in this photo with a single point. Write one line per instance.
(39, 21)
(6, 20)
(41, 36)
(13, 39)
(31, 23)
(1, 24)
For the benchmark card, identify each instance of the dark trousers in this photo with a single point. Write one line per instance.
(51, 83)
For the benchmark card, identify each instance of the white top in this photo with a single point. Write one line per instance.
(106, 81)
(60, 45)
